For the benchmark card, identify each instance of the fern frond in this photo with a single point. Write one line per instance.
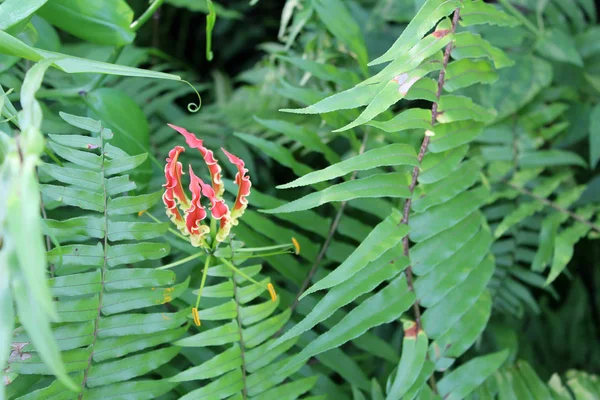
(112, 330)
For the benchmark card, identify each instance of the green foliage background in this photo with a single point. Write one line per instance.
(448, 222)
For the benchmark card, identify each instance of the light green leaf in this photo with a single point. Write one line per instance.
(13, 12)
(414, 350)
(413, 118)
(467, 72)
(12, 46)
(393, 154)
(379, 185)
(384, 236)
(132, 204)
(102, 22)
(463, 380)
(383, 307)
(429, 14)
(478, 12)
(381, 269)
(558, 46)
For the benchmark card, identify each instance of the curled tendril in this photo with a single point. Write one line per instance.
(193, 108)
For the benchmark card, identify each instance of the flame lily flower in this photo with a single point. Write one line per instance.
(189, 215)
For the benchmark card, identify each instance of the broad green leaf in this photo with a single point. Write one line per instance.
(70, 196)
(384, 236)
(12, 46)
(459, 108)
(379, 185)
(135, 230)
(595, 136)
(132, 204)
(227, 333)
(76, 284)
(103, 22)
(123, 116)
(414, 350)
(129, 367)
(383, 307)
(471, 45)
(221, 388)
(429, 14)
(348, 99)
(139, 324)
(292, 390)
(151, 389)
(78, 157)
(218, 365)
(437, 166)
(393, 154)
(424, 57)
(74, 176)
(444, 314)
(558, 46)
(463, 380)
(478, 12)
(437, 283)
(471, 324)
(338, 20)
(75, 229)
(413, 118)
(119, 254)
(444, 216)
(565, 242)
(381, 269)
(464, 73)
(458, 181)
(84, 123)
(259, 333)
(447, 244)
(549, 158)
(121, 301)
(13, 12)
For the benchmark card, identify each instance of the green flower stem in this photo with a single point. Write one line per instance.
(230, 265)
(267, 254)
(138, 23)
(183, 260)
(171, 230)
(204, 275)
(255, 249)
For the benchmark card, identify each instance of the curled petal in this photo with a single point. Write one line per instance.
(173, 172)
(173, 212)
(209, 158)
(218, 208)
(196, 213)
(244, 184)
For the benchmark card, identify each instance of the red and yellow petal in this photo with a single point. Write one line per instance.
(244, 185)
(196, 212)
(209, 159)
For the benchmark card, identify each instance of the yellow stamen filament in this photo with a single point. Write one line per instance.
(141, 213)
(196, 316)
(296, 245)
(272, 291)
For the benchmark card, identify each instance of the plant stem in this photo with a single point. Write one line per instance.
(332, 230)
(203, 282)
(182, 261)
(555, 206)
(415, 173)
(137, 24)
(528, 24)
(238, 271)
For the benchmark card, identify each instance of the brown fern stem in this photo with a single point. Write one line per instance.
(415, 172)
